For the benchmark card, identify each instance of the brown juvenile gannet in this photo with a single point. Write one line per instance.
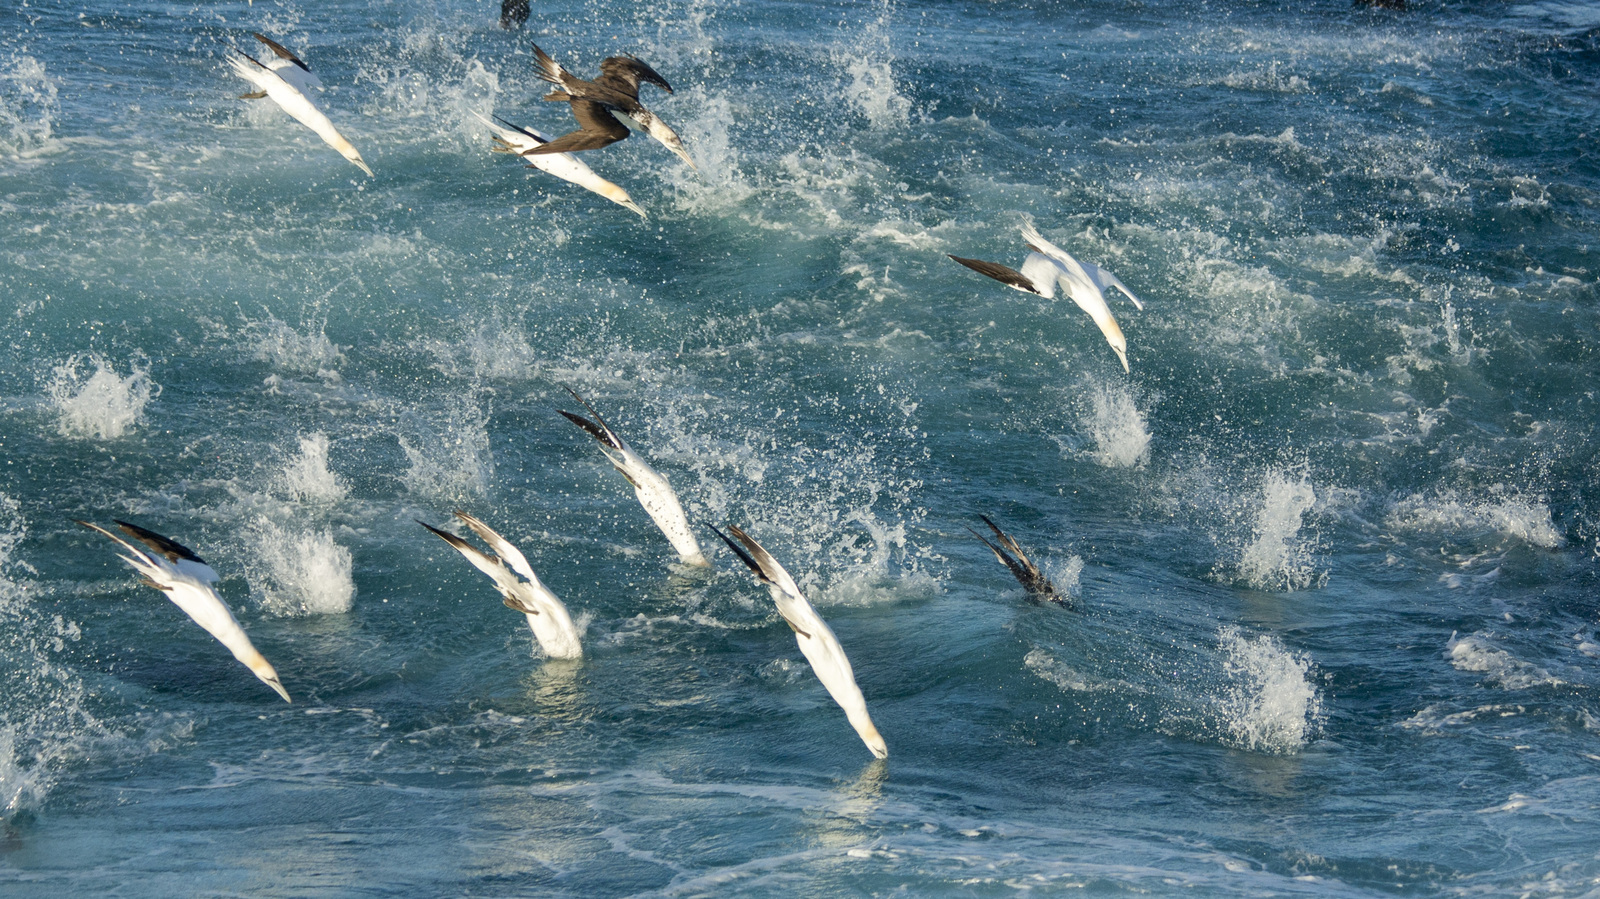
(285, 78)
(654, 493)
(598, 104)
(1084, 282)
(547, 616)
(520, 141)
(816, 639)
(186, 579)
(1021, 567)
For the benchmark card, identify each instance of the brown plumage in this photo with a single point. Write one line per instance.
(1021, 567)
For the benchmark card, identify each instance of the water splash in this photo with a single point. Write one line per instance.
(1113, 421)
(307, 478)
(28, 107)
(1269, 703)
(287, 349)
(869, 63)
(101, 405)
(43, 721)
(306, 571)
(1278, 557)
(450, 457)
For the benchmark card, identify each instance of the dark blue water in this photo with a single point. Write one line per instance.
(1333, 541)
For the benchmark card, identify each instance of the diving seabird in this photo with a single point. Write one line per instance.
(654, 493)
(513, 14)
(186, 579)
(515, 139)
(1084, 282)
(1026, 573)
(816, 639)
(285, 79)
(548, 619)
(598, 104)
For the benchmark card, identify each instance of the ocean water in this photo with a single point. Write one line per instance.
(1334, 542)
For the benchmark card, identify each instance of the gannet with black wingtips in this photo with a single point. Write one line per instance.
(515, 139)
(547, 617)
(598, 104)
(285, 79)
(655, 494)
(1085, 283)
(816, 639)
(186, 579)
(1022, 568)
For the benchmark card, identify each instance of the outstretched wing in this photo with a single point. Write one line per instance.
(281, 50)
(1006, 275)
(597, 128)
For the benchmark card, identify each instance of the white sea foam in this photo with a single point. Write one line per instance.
(1270, 703)
(28, 107)
(1112, 419)
(100, 405)
(306, 571)
(449, 456)
(1502, 513)
(306, 476)
(1477, 654)
(1278, 556)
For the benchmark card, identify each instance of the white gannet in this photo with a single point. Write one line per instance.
(1021, 567)
(186, 579)
(597, 104)
(515, 139)
(816, 639)
(547, 617)
(285, 79)
(1085, 283)
(654, 493)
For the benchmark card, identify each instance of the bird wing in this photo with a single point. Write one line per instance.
(293, 101)
(501, 546)
(630, 70)
(1021, 567)
(509, 586)
(281, 51)
(1006, 275)
(1105, 281)
(597, 128)
(182, 558)
(766, 568)
(521, 141)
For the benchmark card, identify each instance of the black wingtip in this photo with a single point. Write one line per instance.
(739, 550)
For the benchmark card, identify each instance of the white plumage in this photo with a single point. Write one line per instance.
(1084, 282)
(816, 639)
(655, 494)
(186, 579)
(518, 141)
(547, 617)
(284, 79)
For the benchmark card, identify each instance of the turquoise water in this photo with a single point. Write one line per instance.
(1333, 540)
